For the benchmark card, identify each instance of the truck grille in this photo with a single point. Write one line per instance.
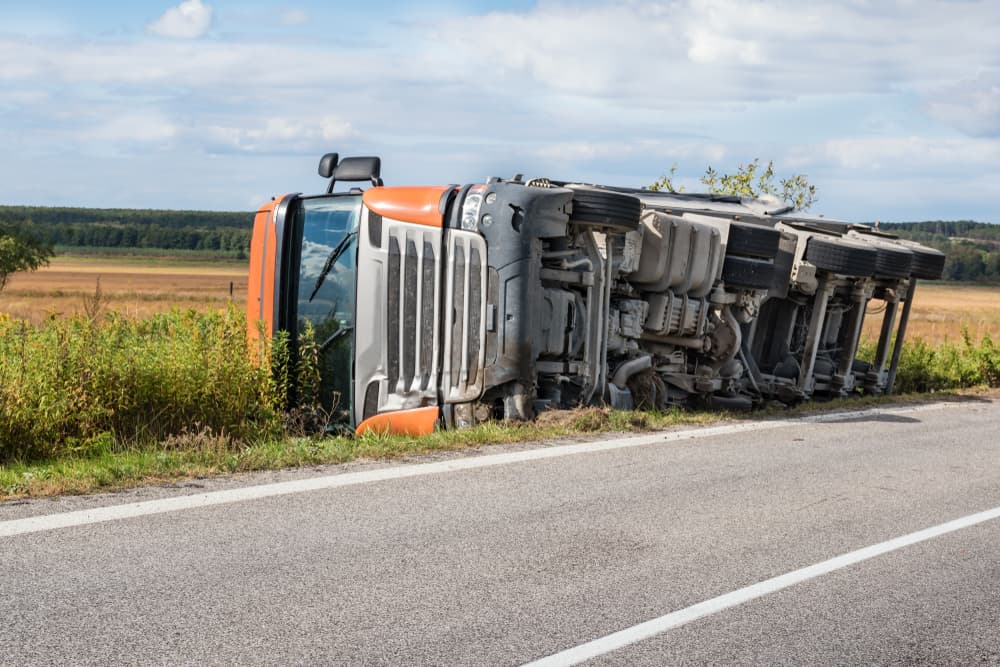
(412, 290)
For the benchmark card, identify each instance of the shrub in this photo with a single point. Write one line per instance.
(947, 365)
(72, 385)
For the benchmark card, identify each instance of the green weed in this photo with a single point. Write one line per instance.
(924, 367)
(103, 381)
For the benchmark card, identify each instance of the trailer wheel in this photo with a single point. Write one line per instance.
(747, 272)
(604, 210)
(849, 258)
(928, 263)
(747, 240)
(893, 262)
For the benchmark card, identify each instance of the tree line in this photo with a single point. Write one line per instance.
(973, 248)
(227, 241)
(218, 233)
(53, 215)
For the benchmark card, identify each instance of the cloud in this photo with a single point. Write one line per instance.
(613, 91)
(294, 17)
(148, 128)
(280, 134)
(684, 53)
(641, 149)
(707, 47)
(899, 154)
(681, 55)
(189, 20)
(971, 105)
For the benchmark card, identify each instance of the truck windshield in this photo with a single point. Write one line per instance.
(326, 292)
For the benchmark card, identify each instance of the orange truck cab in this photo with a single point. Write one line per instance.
(365, 269)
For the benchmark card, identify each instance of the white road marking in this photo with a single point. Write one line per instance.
(656, 626)
(116, 512)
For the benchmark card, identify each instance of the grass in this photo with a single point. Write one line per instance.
(202, 454)
(103, 382)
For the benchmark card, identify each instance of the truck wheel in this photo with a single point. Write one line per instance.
(928, 263)
(747, 272)
(893, 262)
(747, 240)
(603, 209)
(841, 256)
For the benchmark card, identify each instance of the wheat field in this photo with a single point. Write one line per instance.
(139, 287)
(135, 287)
(941, 311)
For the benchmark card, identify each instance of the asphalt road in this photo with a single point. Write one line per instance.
(509, 563)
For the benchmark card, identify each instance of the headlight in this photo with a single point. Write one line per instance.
(470, 208)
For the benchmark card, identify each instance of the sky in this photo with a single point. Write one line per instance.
(892, 109)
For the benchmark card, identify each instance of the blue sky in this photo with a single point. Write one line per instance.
(891, 109)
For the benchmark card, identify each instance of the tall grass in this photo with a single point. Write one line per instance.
(108, 382)
(925, 367)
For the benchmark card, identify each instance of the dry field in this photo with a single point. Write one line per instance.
(135, 287)
(139, 287)
(941, 311)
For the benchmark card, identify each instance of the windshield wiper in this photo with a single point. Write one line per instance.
(335, 254)
(338, 334)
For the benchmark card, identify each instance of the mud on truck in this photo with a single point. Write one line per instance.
(451, 305)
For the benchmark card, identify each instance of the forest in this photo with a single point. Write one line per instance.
(973, 248)
(212, 233)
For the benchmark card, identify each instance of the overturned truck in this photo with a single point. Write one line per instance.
(451, 305)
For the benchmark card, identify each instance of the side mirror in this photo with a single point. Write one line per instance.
(327, 164)
(357, 169)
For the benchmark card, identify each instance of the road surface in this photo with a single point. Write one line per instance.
(513, 554)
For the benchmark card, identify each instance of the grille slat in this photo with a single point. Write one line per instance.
(392, 314)
(427, 314)
(475, 315)
(408, 335)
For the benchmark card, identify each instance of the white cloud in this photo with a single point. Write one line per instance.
(708, 47)
(189, 20)
(681, 53)
(281, 134)
(294, 17)
(335, 129)
(898, 154)
(641, 149)
(972, 105)
(145, 128)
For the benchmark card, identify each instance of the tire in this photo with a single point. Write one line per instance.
(848, 258)
(928, 263)
(604, 210)
(893, 262)
(747, 272)
(747, 240)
